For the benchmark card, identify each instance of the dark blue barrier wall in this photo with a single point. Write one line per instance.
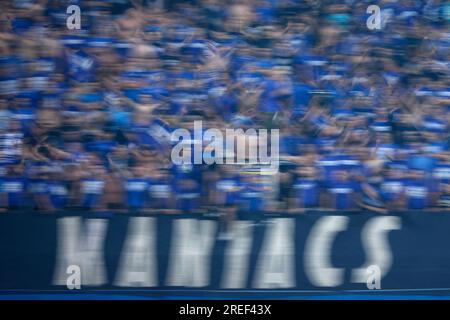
(411, 249)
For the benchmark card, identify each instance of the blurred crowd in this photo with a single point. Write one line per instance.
(86, 114)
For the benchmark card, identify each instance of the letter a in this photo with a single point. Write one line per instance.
(74, 280)
(74, 20)
(374, 21)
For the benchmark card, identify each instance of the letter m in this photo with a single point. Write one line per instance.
(83, 247)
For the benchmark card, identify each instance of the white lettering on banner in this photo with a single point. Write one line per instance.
(84, 249)
(189, 261)
(82, 245)
(376, 246)
(138, 264)
(318, 246)
(237, 256)
(276, 264)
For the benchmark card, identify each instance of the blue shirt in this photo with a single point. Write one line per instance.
(416, 194)
(81, 66)
(15, 188)
(251, 199)
(161, 194)
(391, 189)
(59, 194)
(228, 189)
(343, 194)
(92, 192)
(307, 192)
(442, 173)
(137, 191)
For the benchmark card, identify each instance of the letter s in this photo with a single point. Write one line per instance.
(376, 246)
